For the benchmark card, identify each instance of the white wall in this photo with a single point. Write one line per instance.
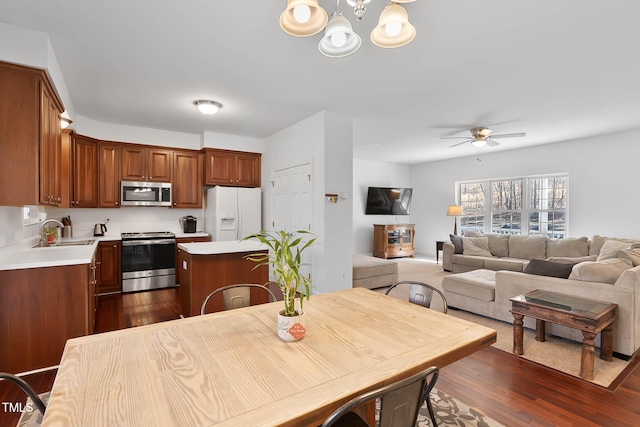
(134, 134)
(33, 49)
(322, 139)
(233, 142)
(367, 173)
(602, 185)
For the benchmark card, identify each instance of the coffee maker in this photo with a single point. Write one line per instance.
(188, 223)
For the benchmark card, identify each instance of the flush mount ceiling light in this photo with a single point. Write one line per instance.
(304, 18)
(207, 107)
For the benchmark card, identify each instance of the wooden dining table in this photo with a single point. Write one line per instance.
(231, 369)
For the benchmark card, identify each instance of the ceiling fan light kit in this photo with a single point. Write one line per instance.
(481, 136)
(304, 18)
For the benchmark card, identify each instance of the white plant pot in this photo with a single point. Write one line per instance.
(291, 328)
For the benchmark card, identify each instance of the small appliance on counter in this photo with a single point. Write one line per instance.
(188, 223)
(100, 229)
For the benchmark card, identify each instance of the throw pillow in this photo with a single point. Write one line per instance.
(498, 243)
(610, 249)
(542, 267)
(568, 247)
(457, 243)
(632, 255)
(527, 247)
(607, 271)
(478, 246)
(598, 241)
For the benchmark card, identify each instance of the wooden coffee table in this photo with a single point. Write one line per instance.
(586, 315)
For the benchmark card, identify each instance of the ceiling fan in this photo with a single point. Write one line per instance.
(481, 136)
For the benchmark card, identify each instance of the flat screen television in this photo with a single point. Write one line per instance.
(388, 201)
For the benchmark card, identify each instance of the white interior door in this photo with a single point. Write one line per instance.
(293, 198)
(292, 207)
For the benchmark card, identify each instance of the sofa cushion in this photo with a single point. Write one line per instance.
(478, 246)
(610, 249)
(457, 243)
(527, 247)
(598, 241)
(606, 271)
(543, 267)
(469, 260)
(571, 260)
(632, 255)
(477, 284)
(365, 266)
(568, 247)
(511, 264)
(498, 243)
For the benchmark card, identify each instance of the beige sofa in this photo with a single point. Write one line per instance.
(611, 273)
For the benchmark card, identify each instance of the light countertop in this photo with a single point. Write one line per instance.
(213, 248)
(50, 256)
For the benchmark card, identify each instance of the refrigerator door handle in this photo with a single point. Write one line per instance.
(238, 217)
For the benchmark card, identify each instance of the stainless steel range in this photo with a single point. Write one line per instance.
(148, 261)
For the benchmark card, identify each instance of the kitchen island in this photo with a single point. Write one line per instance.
(207, 266)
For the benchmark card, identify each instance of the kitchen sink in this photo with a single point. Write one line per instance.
(66, 243)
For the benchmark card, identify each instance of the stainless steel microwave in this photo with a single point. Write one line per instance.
(140, 193)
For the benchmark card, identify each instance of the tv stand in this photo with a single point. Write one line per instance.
(393, 240)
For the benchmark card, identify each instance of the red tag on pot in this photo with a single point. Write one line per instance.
(297, 331)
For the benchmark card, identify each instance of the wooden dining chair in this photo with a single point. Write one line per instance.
(400, 403)
(418, 293)
(27, 389)
(236, 296)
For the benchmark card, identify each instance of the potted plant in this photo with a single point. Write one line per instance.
(285, 250)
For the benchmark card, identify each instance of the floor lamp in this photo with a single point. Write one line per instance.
(454, 211)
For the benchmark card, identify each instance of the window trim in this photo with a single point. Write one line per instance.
(526, 203)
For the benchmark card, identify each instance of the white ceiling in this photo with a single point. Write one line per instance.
(555, 69)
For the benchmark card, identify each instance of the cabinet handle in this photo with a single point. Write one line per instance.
(174, 203)
(149, 177)
(142, 176)
(116, 203)
(98, 262)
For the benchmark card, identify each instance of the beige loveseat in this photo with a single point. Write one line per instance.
(611, 273)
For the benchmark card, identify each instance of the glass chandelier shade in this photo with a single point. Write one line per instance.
(479, 142)
(303, 18)
(339, 39)
(393, 29)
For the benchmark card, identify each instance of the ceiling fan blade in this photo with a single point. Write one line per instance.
(454, 137)
(509, 135)
(491, 142)
(460, 143)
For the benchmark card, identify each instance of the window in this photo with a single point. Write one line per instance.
(529, 205)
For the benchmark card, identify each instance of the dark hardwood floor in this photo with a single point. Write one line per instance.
(506, 388)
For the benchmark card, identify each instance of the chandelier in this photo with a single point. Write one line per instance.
(304, 18)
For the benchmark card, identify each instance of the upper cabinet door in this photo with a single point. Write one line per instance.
(248, 169)
(220, 167)
(85, 172)
(134, 163)
(109, 161)
(146, 164)
(232, 168)
(187, 183)
(159, 165)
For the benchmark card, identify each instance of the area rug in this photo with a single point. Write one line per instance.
(448, 410)
(557, 353)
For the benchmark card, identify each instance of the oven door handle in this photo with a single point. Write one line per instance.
(149, 242)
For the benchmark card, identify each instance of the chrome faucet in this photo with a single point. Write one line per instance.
(43, 241)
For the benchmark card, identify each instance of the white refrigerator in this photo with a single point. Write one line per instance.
(232, 213)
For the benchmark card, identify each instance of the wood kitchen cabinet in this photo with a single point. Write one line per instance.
(393, 240)
(40, 309)
(85, 172)
(232, 168)
(146, 164)
(109, 270)
(30, 138)
(109, 162)
(187, 182)
(178, 250)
